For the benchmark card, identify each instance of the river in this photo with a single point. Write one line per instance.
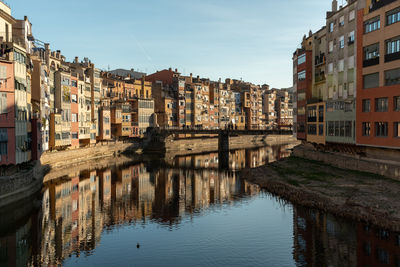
(184, 212)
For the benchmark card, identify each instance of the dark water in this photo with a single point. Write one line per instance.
(186, 213)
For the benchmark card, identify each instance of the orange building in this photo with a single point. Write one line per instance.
(378, 74)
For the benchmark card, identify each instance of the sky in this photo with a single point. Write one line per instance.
(253, 40)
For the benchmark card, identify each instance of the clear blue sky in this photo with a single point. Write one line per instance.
(253, 39)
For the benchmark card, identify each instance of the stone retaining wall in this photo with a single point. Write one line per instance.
(73, 157)
(21, 185)
(201, 145)
(386, 168)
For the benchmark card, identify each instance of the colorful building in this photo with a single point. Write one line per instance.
(378, 74)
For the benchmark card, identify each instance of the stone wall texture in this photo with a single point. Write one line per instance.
(388, 168)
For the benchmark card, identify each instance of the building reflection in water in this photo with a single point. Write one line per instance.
(73, 211)
(77, 208)
(321, 239)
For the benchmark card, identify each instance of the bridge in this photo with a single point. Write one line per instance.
(156, 138)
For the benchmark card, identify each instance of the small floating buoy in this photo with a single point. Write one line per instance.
(137, 245)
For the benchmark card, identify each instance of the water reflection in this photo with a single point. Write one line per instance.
(238, 159)
(77, 208)
(321, 239)
(74, 213)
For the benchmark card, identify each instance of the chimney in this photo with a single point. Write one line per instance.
(76, 60)
(47, 46)
(176, 70)
(310, 33)
(132, 70)
(25, 18)
(334, 5)
(191, 75)
(170, 69)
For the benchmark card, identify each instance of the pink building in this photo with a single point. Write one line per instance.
(74, 111)
(7, 111)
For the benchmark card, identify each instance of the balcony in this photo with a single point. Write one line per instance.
(371, 62)
(392, 57)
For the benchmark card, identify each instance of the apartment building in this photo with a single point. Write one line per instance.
(60, 131)
(269, 99)
(104, 120)
(316, 127)
(7, 110)
(341, 83)
(302, 66)
(165, 105)
(74, 110)
(283, 112)
(378, 74)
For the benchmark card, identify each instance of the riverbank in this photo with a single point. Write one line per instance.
(22, 184)
(355, 195)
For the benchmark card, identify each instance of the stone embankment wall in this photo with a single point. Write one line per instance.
(388, 168)
(181, 147)
(21, 185)
(69, 158)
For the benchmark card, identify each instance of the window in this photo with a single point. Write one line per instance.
(371, 52)
(381, 129)
(330, 67)
(331, 26)
(396, 128)
(351, 62)
(331, 128)
(342, 129)
(74, 99)
(366, 105)
(352, 15)
(341, 41)
(302, 75)
(393, 16)
(351, 38)
(74, 135)
(301, 59)
(330, 46)
(381, 104)
(371, 80)
(348, 129)
(341, 21)
(74, 83)
(396, 103)
(3, 103)
(392, 77)
(3, 72)
(321, 113)
(337, 128)
(312, 129)
(372, 25)
(393, 45)
(341, 65)
(74, 117)
(3, 141)
(366, 128)
(321, 130)
(351, 88)
(312, 114)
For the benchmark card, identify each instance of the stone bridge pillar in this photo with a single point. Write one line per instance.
(223, 149)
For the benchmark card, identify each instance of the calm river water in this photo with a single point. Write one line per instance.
(186, 213)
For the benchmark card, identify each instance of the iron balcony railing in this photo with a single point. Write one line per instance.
(392, 57)
(371, 62)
